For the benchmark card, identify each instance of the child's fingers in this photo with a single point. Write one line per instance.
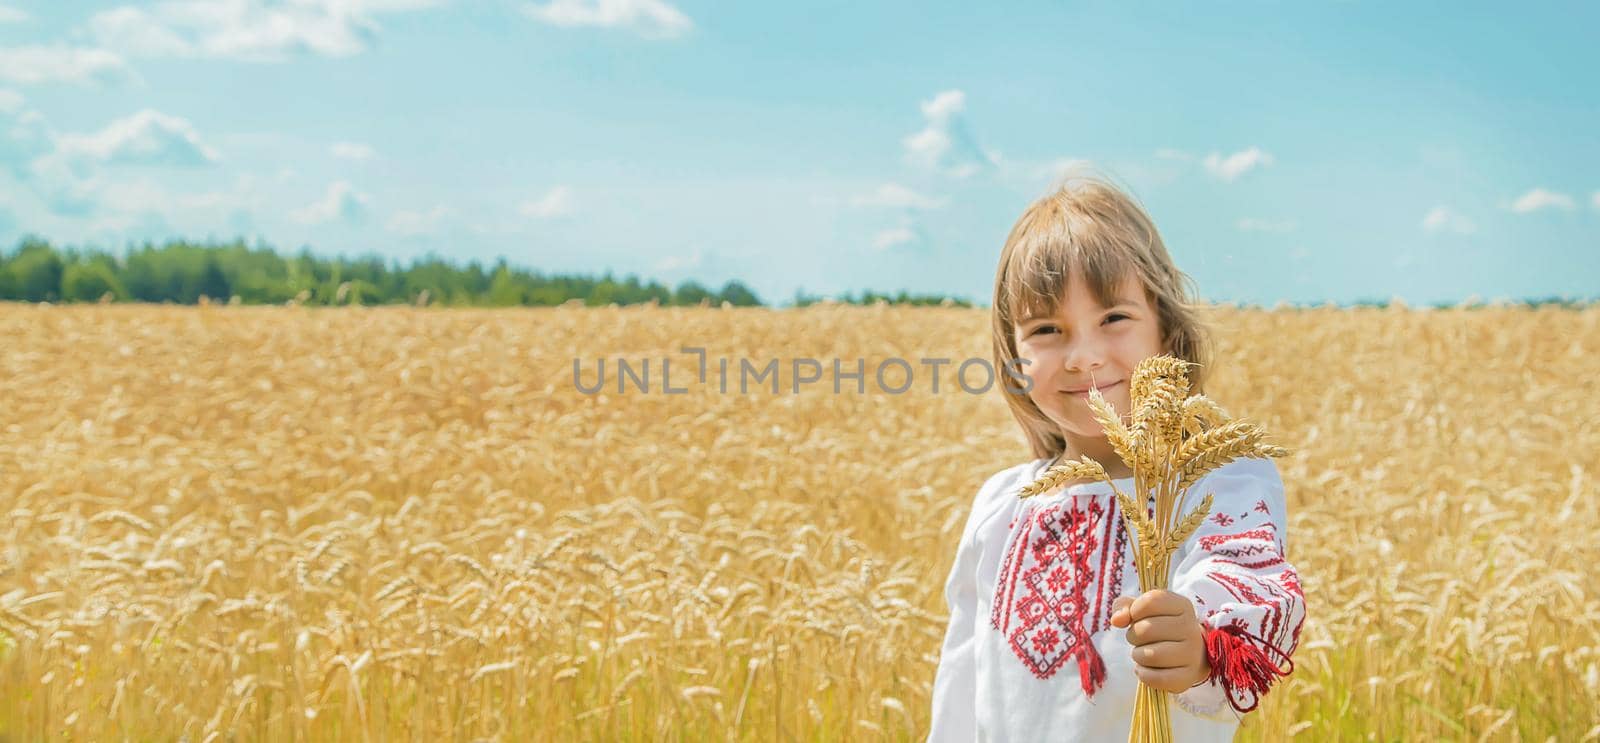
(1120, 616)
(1165, 679)
(1164, 654)
(1161, 602)
(1157, 629)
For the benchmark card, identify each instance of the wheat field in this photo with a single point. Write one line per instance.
(284, 523)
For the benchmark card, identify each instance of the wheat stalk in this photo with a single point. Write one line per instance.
(1168, 466)
(1172, 442)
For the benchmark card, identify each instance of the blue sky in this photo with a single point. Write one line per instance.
(1297, 152)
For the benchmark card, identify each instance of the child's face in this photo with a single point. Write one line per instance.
(1084, 341)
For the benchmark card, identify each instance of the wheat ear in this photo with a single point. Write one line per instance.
(1212, 443)
(1192, 521)
(1155, 368)
(1211, 449)
(1143, 526)
(1060, 474)
(1201, 412)
(1116, 433)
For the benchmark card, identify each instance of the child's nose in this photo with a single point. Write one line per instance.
(1085, 356)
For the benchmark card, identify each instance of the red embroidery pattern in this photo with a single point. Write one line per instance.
(1246, 664)
(1291, 582)
(1211, 541)
(1274, 598)
(1060, 571)
(1259, 543)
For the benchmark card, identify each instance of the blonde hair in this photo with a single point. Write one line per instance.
(1089, 226)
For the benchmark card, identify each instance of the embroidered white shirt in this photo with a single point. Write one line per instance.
(1030, 654)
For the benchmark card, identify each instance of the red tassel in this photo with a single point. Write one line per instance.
(1091, 670)
(1242, 664)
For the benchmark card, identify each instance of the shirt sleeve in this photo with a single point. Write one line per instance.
(955, 681)
(1235, 569)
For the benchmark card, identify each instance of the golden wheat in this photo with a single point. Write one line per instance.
(634, 546)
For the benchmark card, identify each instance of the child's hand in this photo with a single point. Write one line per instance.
(1169, 649)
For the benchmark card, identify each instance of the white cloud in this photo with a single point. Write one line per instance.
(253, 30)
(352, 151)
(111, 208)
(556, 202)
(944, 105)
(123, 201)
(1539, 198)
(74, 197)
(147, 137)
(927, 146)
(946, 143)
(678, 262)
(64, 169)
(412, 223)
(28, 153)
(341, 202)
(63, 189)
(32, 65)
(9, 14)
(653, 19)
(1443, 219)
(896, 196)
(138, 32)
(893, 237)
(1232, 166)
(1596, 199)
(1251, 224)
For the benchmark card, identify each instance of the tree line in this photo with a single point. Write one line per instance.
(187, 273)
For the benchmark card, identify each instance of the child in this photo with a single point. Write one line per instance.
(1049, 632)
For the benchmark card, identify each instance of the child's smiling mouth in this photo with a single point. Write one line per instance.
(1085, 393)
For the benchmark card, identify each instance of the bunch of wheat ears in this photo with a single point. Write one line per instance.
(1171, 442)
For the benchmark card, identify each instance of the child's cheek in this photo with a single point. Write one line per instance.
(1040, 384)
(1039, 390)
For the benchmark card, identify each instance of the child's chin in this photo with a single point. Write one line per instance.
(1090, 430)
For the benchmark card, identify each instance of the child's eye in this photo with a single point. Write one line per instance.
(1112, 318)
